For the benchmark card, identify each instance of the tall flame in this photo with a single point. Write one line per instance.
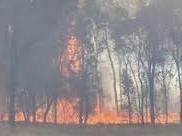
(70, 61)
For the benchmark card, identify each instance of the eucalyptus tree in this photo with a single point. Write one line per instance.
(155, 19)
(101, 19)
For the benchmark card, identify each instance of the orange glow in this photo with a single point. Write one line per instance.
(70, 61)
(67, 113)
(67, 109)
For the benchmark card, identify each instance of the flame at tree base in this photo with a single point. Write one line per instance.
(67, 113)
(67, 110)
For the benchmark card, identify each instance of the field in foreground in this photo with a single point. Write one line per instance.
(99, 130)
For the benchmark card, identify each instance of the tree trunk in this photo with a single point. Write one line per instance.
(146, 108)
(81, 112)
(165, 94)
(151, 92)
(176, 57)
(12, 108)
(100, 89)
(128, 97)
(25, 116)
(180, 87)
(113, 72)
(137, 87)
(49, 103)
(12, 85)
(86, 111)
(142, 95)
(129, 108)
(142, 105)
(34, 107)
(55, 110)
(120, 88)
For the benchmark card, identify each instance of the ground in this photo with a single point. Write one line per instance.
(98, 130)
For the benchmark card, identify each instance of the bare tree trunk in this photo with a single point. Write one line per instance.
(25, 116)
(86, 110)
(146, 107)
(128, 96)
(48, 106)
(151, 92)
(176, 57)
(152, 112)
(55, 110)
(81, 112)
(12, 108)
(165, 94)
(129, 108)
(101, 97)
(100, 89)
(114, 73)
(12, 85)
(180, 87)
(34, 106)
(94, 47)
(137, 87)
(142, 95)
(120, 88)
(142, 103)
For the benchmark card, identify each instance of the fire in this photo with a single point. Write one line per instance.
(67, 109)
(67, 113)
(70, 61)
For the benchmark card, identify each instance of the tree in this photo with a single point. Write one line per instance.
(13, 70)
(128, 87)
(177, 56)
(31, 22)
(106, 40)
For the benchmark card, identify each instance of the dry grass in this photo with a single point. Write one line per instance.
(99, 130)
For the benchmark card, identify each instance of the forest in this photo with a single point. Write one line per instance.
(91, 61)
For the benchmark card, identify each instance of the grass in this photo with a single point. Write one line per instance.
(23, 129)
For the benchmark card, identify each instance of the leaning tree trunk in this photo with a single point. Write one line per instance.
(48, 106)
(114, 74)
(137, 86)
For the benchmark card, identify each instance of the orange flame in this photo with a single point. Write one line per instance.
(67, 113)
(70, 61)
(67, 110)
